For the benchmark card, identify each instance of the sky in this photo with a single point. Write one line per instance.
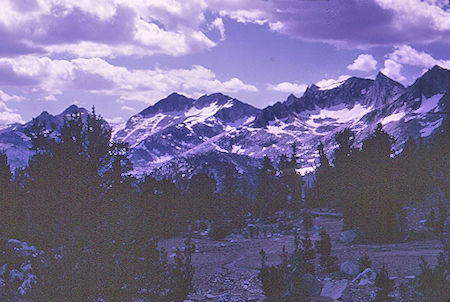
(122, 56)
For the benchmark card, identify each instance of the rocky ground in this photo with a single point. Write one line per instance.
(227, 270)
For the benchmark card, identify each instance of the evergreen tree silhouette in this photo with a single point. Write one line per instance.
(11, 214)
(324, 189)
(269, 197)
(345, 167)
(202, 199)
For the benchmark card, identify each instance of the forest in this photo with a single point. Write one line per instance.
(97, 228)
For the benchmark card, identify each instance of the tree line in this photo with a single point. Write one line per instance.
(371, 186)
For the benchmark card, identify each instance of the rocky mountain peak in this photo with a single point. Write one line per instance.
(206, 100)
(435, 80)
(311, 90)
(73, 109)
(173, 102)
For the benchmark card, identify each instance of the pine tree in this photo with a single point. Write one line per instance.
(10, 214)
(414, 171)
(381, 217)
(267, 200)
(68, 179)
(323, 189)
(232, 200)
(202, 198)
(294, 178)
(344, 177)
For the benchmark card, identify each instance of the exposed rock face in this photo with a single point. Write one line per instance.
(180, 135)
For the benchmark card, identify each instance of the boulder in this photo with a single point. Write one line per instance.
(302, 285)
(335, 290)
(348, 237)
(368, 276)
(350, 267)
(313, 284)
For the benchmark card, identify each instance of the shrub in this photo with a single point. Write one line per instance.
(271, 277)
(364, 262)
(330, 263)
(307, 220)
(324, 244)
(220, 230)
(131, 273)
(308, 249)
(292, 279)
(433, 283)
(385, 284)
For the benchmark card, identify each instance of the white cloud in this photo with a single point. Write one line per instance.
(7, 98)
(364, 62)
(218, 23)
(50, 97)
(96, 75)
(115, 120)
(288, 87)
(393, 70)
(107, 28)
(332, 83)
(8, 116)
(127, 108)
(346, 23)
(406, 55)
(417, 12)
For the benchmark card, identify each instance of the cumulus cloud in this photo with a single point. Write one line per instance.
(220, 26)
(127, 108)
(4, 97)
(406, 55)
(105, 28)
(288, 87)
(8, 115)
(393, 70)
(111, 28)
(332, 83)
(115, 120)
(347, 23)
(97, 76)
(363, 62)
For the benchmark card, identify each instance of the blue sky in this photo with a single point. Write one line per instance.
(123, 56)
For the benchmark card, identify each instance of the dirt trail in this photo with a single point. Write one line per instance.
(231, 266)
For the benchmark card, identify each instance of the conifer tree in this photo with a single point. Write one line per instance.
(10, 213)
(202, 198)
(323, 192)
(267, 200)
(344, 178)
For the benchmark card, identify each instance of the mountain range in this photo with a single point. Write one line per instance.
(179, 136)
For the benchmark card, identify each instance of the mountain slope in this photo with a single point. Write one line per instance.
(17, 145)
(178, 124)
(180, 135)
(358, 104)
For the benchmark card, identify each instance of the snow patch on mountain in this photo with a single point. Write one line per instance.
(429, 104)
(200, 115)
(337, 114)
(429, 127)
(395, 117)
